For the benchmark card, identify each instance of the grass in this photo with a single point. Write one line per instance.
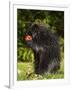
(25, 71)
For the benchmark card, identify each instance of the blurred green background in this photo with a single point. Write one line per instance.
(54, 21)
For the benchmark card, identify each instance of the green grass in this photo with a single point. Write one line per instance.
(26, 72)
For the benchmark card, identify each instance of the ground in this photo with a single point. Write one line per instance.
(26, 72)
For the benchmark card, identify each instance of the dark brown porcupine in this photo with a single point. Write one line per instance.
(45, 47)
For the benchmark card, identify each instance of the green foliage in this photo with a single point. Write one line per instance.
(25, 55)
(52, 19)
